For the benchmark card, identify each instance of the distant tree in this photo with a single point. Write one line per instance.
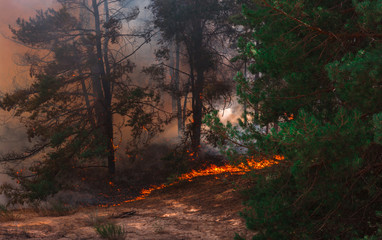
(320, 71)
(201, 28)
(81, 80)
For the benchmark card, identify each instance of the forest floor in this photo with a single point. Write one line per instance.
(206, 208)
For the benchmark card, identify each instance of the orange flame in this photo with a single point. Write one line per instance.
(240, 169)
(290, 117)
(115, 147)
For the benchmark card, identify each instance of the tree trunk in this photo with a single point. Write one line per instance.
(87, 101)
(184, 117)
(177, 89)
(107, 82)
(172, 83)
(105, 119)
(245, 102)
(197, 93)
(197, 111)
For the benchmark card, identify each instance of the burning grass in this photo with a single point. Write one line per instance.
(240, 169)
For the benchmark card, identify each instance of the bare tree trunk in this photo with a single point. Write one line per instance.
(87, 101)
(197, 111)
(97, 89)
(177, 90)
(106, 41)
(257, 76)
(105, 120)
(197, 93)
(184, 117)
(84, 18)
(172, 83)
(107, 82)
(245, 102)
(257, 114)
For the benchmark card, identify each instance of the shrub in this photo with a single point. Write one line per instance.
(111, 231)
(95, 220)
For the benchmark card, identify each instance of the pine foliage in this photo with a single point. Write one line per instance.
(318, 69)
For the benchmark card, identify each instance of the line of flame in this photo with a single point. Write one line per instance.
(240, 169)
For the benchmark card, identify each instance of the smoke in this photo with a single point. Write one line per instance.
(12, 135)
(13, 75)
(232, 113)
(9, 12)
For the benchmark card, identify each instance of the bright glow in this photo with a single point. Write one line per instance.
(240, 169)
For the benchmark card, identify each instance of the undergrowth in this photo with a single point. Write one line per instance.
(111, 231)
(55, 209)
(7, 215)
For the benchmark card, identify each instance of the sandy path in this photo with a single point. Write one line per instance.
(206, 208)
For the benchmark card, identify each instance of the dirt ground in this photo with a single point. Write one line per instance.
(206, 208)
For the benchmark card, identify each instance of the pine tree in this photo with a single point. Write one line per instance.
(78, 87)
(320, 77)
(200, 27)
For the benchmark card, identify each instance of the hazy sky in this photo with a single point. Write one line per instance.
(10, 10)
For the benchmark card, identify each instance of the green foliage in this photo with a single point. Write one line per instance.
(320, 82)
(136, 104)
(39, 190)
(377, 120)
(111, 231)
(318, 185)
(200, 29)
(31, 189)
(70, 104)
(173, 17)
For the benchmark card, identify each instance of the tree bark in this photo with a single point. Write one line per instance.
(105, 119)
(177, 90)
(172, 82)
(198, 86)
(184, 117)
(245, 102)
(87, 101)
